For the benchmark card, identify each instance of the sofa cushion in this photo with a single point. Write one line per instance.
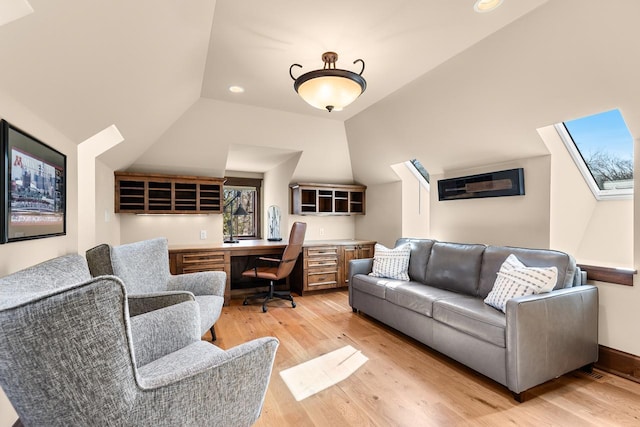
(420, 252)
(455, 266)
(515, 280)
(391, 263)
(416, 296)
(375, 286)
(472, 316)
(494, 256)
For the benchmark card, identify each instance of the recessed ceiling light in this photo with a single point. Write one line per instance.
(482, 6)
(236, 89)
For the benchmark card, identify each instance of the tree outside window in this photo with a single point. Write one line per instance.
(244, 192)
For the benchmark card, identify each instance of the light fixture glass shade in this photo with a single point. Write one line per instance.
(329, 89)
(486, 5)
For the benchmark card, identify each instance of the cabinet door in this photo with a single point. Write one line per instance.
(366, 251)
(350, 252)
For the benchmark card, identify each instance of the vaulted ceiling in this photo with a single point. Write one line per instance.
(83, 66)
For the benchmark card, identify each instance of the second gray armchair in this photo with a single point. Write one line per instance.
(144, 268)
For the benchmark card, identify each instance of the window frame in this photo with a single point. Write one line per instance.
(424, 181)
(257, 215)
(574, 152)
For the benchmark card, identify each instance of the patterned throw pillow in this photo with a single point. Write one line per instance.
(515, 279)
(391, 263)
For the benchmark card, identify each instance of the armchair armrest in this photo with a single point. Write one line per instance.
(157, 333)
(200, 283)
(143, 303)
(234, 381)
(550, 334)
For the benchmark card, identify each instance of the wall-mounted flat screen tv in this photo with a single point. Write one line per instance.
(33, 187)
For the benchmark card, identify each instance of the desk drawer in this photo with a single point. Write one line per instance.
(322, 279)
(201, 261)
(323, 251)
(323, 263)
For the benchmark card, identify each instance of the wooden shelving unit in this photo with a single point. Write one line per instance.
(327, 199)
(167, 194)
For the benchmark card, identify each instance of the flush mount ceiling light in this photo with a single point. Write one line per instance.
(330, 88)
(482, 6)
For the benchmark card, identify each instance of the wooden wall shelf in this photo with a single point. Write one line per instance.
(327, 199)
(167, 194)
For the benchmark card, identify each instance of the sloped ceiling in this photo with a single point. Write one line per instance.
(85, 65)
(566, 59)
(140, 65)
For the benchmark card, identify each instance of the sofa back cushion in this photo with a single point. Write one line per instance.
(494, 256)
(420, 252)
(455, 266)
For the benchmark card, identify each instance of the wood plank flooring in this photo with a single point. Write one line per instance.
(405, 383)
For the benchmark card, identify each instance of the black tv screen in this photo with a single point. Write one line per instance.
(33, 187)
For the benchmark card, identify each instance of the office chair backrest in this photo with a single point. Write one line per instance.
(293, 249)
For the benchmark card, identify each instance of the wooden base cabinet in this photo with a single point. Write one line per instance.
(349, 252)
(326, 266)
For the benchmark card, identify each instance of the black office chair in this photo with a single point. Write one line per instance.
(276, 269)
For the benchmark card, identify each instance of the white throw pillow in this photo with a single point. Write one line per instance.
(391, 263)
(515, 279)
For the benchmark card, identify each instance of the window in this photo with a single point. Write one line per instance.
(243, 193)
(602, 148)
(419, 171)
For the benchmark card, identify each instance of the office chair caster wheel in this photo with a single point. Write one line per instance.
(245, 302)
(264, 309)
(293, 304)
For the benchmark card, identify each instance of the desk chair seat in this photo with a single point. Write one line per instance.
(274, 269)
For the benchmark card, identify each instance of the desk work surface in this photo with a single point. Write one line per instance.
(323, 264)
(259, 244)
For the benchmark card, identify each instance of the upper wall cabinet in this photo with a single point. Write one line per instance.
(167, 194)
(327, 199)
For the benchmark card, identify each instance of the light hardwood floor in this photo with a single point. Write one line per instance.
(405, 383)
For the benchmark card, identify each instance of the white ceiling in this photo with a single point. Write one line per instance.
(84, 66)
(254, 42)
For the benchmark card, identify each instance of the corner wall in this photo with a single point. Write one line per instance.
(18, 255)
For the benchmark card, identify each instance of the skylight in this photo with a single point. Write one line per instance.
(602, 148)
(420, 169)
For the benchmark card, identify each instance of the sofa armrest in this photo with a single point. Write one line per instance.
(200, 283)
(358, 266)
(550, 334)
(144, 303)
(157, 333)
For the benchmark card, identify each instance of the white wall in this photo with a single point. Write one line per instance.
(215, 125)
(415, 204)
(513, 220)
(106, 221)
(383, 221)
(18, 255)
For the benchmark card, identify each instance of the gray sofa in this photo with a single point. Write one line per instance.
(71, 355)
(539, 337)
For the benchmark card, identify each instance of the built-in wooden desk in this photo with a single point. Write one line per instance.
(322, 265)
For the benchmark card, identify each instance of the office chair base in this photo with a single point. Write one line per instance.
(268, 296)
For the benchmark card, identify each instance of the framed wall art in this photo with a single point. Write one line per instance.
(493, 184)
(33, 187)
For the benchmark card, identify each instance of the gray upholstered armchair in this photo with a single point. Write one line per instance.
(68, 356)
(144, 269)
